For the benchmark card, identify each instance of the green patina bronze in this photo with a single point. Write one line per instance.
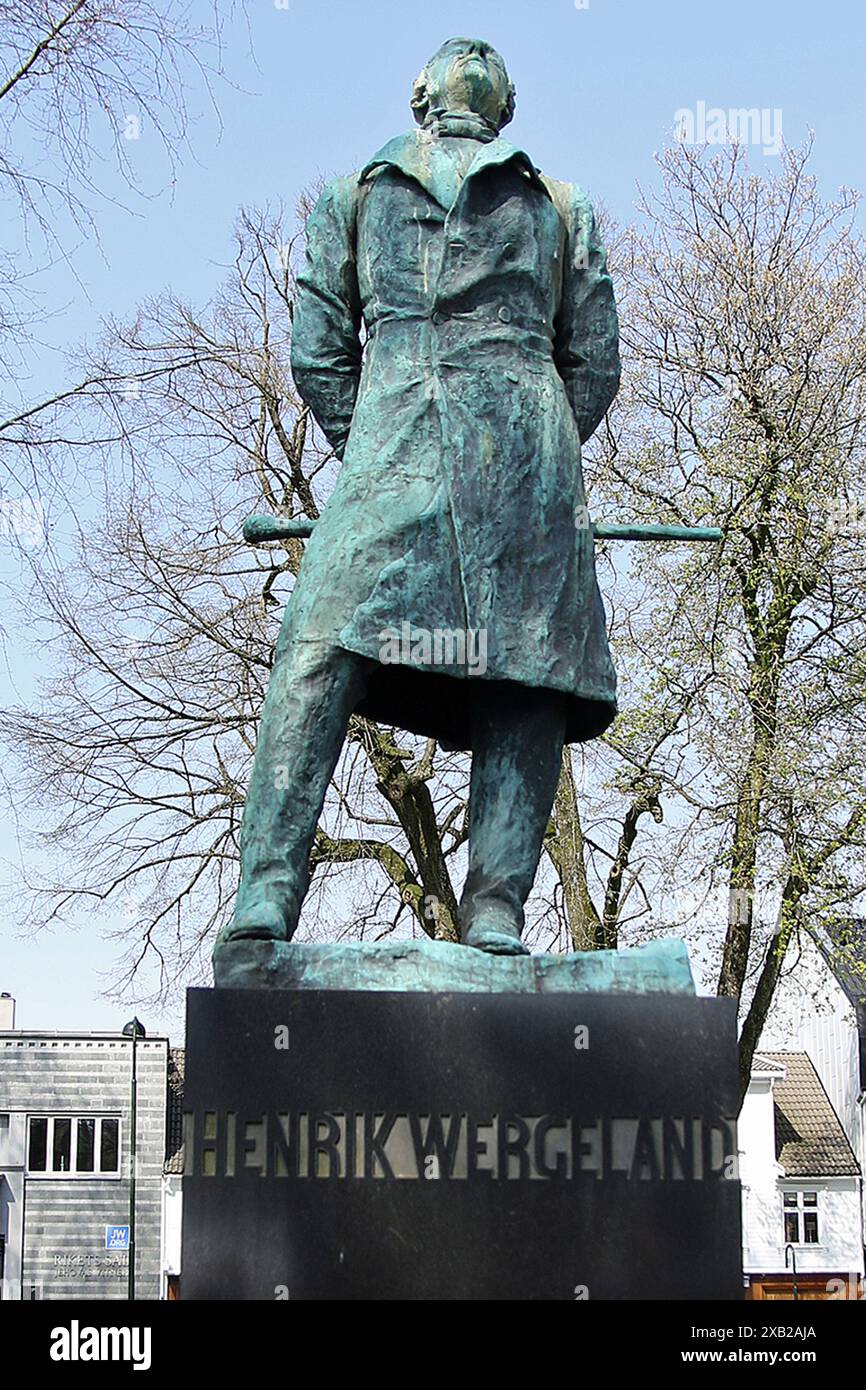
(490, 356)
(258, 529)
(455, 336)
(660, 967)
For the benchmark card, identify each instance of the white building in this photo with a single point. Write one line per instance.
(819, 1012)
(801, 1185)
(820, 1009)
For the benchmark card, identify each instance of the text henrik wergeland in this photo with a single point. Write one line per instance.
(343, 1144)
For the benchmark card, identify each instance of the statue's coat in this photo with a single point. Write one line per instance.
(490, 354)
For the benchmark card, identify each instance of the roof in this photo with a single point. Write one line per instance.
(174, 1111)
(763, 1066)
(810, 1140)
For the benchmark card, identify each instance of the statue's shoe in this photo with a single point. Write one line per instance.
(496, 934)
(264, 921)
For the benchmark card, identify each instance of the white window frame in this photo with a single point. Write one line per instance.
(800, 1209)
(72, 1172)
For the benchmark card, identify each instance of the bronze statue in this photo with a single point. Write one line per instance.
(490, 356)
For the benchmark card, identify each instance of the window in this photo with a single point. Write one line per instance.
(75, 1144)
(36, 1160)
(62, 1147)
(109, 1151)
(86, 1145)
(800, 1210)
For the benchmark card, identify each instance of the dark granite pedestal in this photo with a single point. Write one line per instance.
(406, 1144)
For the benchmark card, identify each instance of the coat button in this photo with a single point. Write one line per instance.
(439, 317)
(504, 314)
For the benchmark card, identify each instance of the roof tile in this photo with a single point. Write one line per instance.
(810, 1140)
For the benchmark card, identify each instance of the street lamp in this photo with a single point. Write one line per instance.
(134, 1029)
(794, 1265)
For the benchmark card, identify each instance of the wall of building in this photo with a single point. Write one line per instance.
(172, 1221)
(58, 1222)
(839, 1249)
(811, 1013)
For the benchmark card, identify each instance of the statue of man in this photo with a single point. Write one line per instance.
(455, 336)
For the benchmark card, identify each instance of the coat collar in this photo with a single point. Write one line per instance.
(410, 154)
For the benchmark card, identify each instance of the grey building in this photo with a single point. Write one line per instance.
(66, 1134)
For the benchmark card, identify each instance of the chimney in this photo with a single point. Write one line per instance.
(7, 1013)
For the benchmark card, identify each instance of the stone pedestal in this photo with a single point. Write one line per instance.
(399, 1143)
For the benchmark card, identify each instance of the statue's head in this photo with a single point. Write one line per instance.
(465, 75)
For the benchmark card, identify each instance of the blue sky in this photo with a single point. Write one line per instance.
(327, 83)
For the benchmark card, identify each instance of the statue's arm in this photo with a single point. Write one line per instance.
(586, 346)
(326, 344)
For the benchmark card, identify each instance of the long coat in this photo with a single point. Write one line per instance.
(490, 355)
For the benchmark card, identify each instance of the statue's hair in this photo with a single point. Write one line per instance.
(420, 102)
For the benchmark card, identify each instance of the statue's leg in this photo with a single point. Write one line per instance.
(313, 689)
(517, 741)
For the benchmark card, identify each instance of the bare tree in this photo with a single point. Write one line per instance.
(80, 82)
